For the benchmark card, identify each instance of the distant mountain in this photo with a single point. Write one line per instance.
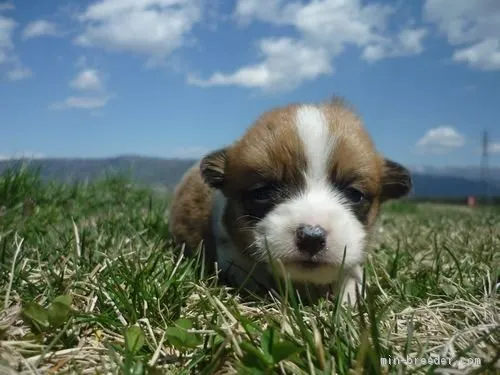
(470, 172)
(442, 186)
(166, 173)
(146, 170)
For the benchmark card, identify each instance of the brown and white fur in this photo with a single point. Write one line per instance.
(298, 165)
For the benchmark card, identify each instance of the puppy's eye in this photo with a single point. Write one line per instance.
(354, 195)
(261, 193)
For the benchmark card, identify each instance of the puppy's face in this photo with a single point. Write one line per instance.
(304, 186)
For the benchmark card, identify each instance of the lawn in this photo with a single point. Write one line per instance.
(89, 284)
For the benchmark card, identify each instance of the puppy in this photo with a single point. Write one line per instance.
(299, 193)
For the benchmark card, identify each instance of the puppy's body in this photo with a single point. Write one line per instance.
(303, 186)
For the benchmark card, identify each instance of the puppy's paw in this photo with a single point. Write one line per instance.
(352, 288)
(349, 295)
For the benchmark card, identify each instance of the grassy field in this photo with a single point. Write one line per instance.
(89, 284)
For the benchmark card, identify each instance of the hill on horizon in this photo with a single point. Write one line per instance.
(166, 173)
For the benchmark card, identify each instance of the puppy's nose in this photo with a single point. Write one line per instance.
(310, 239)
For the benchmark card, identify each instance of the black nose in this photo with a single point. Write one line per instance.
(310, 239)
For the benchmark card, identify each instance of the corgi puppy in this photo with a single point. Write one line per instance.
(301, 190)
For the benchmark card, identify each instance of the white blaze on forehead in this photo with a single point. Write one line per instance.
(317, 140)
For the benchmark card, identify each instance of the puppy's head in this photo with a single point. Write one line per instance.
(304, 186)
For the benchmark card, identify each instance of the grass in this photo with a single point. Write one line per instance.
(89, 284)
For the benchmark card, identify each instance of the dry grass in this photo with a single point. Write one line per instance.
(433, 279)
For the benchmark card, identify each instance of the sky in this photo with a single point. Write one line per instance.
(178, 78)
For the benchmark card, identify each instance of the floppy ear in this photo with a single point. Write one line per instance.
(212, 168)
(396, 181)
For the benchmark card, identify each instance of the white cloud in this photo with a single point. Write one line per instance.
(472, 26)
(408, 42)
(484, 55)
(40, 28)
(324, 29)
(154, 28)
(494, 148)
(19, 73)
(82, 102)
(7, 26)
(14, 68)
(418, 169)
(6, 6)
(283, 57)
(441, 140)
(87, 79)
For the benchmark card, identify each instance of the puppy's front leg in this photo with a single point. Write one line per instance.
(352, 281)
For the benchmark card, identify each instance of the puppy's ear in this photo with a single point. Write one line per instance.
(396, 181)
(213, 167)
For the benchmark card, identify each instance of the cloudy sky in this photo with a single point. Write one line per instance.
(181, 77)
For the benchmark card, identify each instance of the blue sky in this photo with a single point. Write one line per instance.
(180, 77)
